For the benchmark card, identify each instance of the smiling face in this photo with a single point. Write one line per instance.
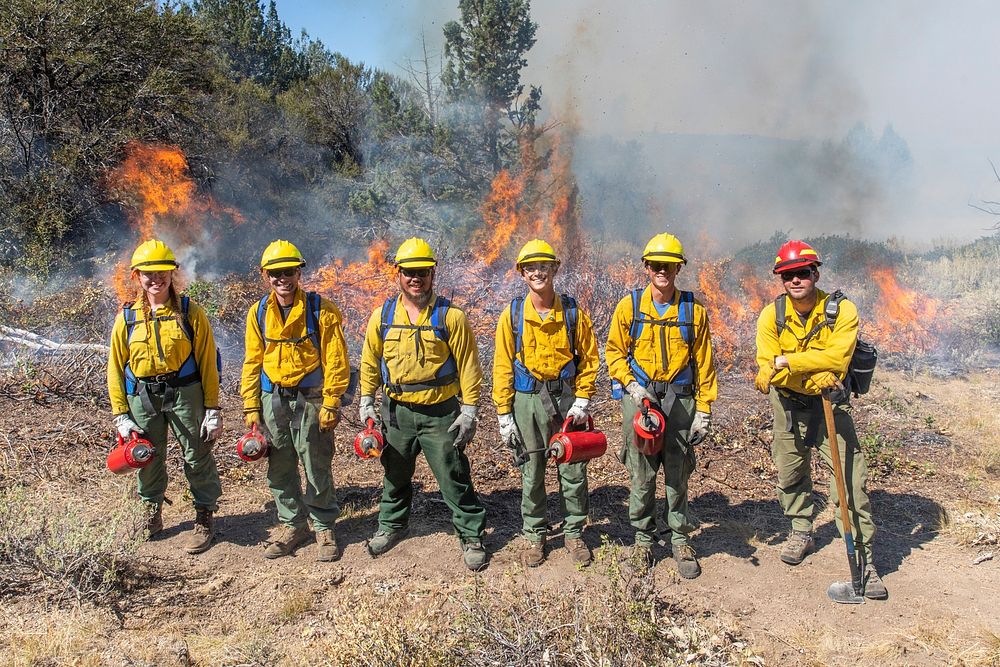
(156, 285)
(662, 275)
(538, 276)
(800, 284)
(416, 284)
(284, 282)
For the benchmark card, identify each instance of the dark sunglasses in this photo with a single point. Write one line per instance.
(801, 274)
(281, 273)
(656, 267)
(415, 273)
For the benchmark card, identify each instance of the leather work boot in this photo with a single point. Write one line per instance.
(798, 544)
(474, 555)
(579, 550)
(534, 555)
(200, 537)
(154, 522)
(642, 554)
(284, 541)
(874, 587)
(687, 564)
(328, 551)
(382, 541)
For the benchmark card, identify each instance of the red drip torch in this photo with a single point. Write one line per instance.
(369, 443)
(131, 454)
(649, 425)
(252, 446)
(567, 446)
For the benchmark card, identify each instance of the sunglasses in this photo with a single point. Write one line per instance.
(537, 268)
(656, 267)
(415, 273)
(281, 273)
(801, 274)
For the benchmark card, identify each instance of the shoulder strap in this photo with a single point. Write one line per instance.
(388, 311)
(636, 327)
(439, 319)
(779, 313)
(685, 316)
(831, 309)
(313, 304)
(570, 314)
(185, 320)
(262, 316)
(517, 322)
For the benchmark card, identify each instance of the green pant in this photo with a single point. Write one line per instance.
(792, 453)
(295, 436)
(411, 429)
(677, 458)
(536, 428)
(185, 422)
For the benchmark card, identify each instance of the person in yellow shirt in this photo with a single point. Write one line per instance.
(660, 350)
(163, 372)
(294, 374)
(420, 349)
(800, 355)
(544, 371)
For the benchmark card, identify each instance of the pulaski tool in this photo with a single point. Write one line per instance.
(843, 592)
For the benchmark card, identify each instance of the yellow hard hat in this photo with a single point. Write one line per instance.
(281, 255)
(536, 250)
(153, 255)
(415, 253)
(664, 248)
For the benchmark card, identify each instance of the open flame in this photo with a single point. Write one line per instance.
(902, 318)
(356, 287)
(162, 200)
(732, 313)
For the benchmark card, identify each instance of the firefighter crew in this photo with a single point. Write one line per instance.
(420, 349)
(163, 372)
(544, 371)
(294, 374)
(659, 349)
(795, 367)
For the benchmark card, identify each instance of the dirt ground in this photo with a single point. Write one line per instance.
(928, 471)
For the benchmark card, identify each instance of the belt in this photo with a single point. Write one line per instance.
(282, 414)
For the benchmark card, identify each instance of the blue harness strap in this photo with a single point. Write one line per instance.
(313, 378)
(524, 379)
(447, 373)
(685, 379)
(188, 372)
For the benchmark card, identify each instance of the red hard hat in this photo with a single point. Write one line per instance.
(795, 255)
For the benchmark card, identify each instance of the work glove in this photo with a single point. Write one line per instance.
(579, 411)
(367, 411)
(764, 376)
(252, 417)
(825, 380)
(124, 425)
(328, 418)
(639, 393)
(464, 426)
(211, 425)
(509, 432)
(700, 427)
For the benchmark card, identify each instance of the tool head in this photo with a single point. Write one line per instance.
(842, 592)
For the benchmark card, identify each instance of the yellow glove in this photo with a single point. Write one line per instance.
(763, 380)
(328, 419)
(825, 380)
(251, 418)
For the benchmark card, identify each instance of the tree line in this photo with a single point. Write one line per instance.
(282, 127)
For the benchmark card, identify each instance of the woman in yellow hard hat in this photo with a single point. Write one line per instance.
(545, 370)
(163, 371)
(295, 374)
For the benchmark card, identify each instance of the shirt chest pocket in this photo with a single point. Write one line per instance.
(646, 345)
(433, 350)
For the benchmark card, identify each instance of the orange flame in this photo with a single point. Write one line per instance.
(502, 214)
(356, 287)
(163, 199)
(732, 313)
(903, 317)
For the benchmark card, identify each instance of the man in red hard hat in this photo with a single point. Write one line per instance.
(801, 352)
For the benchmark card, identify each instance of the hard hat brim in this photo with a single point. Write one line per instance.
(283, 263)
(155, 265)
(664, 256)
(416, 263)
(792, 264)
(539, 257)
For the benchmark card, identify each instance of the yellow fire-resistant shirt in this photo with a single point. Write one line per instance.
(828, 349)
(285, 361)
(158, 345)
(545, 344)
(654, 339)
(414, 357)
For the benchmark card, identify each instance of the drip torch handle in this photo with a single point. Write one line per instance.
(644, 408)
(370, 423)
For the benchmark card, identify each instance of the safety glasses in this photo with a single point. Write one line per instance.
(656, 267)
(537, 267)
(801, 274)
(415, 273)
(281, 273)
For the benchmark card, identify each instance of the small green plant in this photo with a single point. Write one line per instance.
(881, 453)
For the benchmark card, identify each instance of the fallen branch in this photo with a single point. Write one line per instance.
(35, 342)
